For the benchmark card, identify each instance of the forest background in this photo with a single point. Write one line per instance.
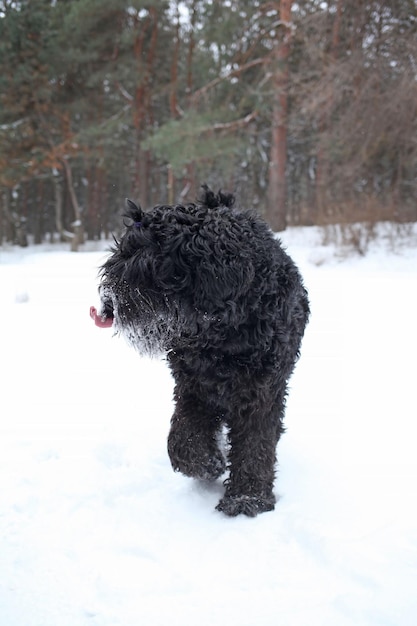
(307, 110)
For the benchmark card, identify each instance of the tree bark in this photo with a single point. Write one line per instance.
(142, 106)
(189, 185)
(77, 224)
(173, 99)
(322, 169)
(56, 178)
(277, 188)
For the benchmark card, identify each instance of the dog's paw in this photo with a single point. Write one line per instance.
(246, 505)
(208, 468)
(212, 469)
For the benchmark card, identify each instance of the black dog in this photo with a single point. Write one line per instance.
(210, 286)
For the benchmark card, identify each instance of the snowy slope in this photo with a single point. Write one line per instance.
(96, 529)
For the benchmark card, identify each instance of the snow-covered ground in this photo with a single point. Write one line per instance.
(96, 529)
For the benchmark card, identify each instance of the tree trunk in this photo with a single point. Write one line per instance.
(170, 185)
(38, 213)
(173, 99)
(142, 107)
(189, 184)
(323, 162)
(277, 188)
(56, 178)
(77, 224)
(17, 223)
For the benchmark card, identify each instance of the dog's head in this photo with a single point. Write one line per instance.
(178, 261)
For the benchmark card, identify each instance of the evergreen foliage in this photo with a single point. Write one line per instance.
(102, 99)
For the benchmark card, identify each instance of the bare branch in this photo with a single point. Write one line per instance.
(227, 76)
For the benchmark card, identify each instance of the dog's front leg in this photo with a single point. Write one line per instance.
(249, 488)
(193, 439)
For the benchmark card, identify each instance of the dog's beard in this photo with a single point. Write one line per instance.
(147, 337)
(143, 324)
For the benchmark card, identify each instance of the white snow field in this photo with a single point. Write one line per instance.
(96, 529)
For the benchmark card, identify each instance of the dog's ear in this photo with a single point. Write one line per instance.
(213, 200)
(133, 214)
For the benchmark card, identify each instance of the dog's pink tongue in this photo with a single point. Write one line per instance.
(106, 323)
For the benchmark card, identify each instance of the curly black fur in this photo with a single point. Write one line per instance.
(212, 288)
